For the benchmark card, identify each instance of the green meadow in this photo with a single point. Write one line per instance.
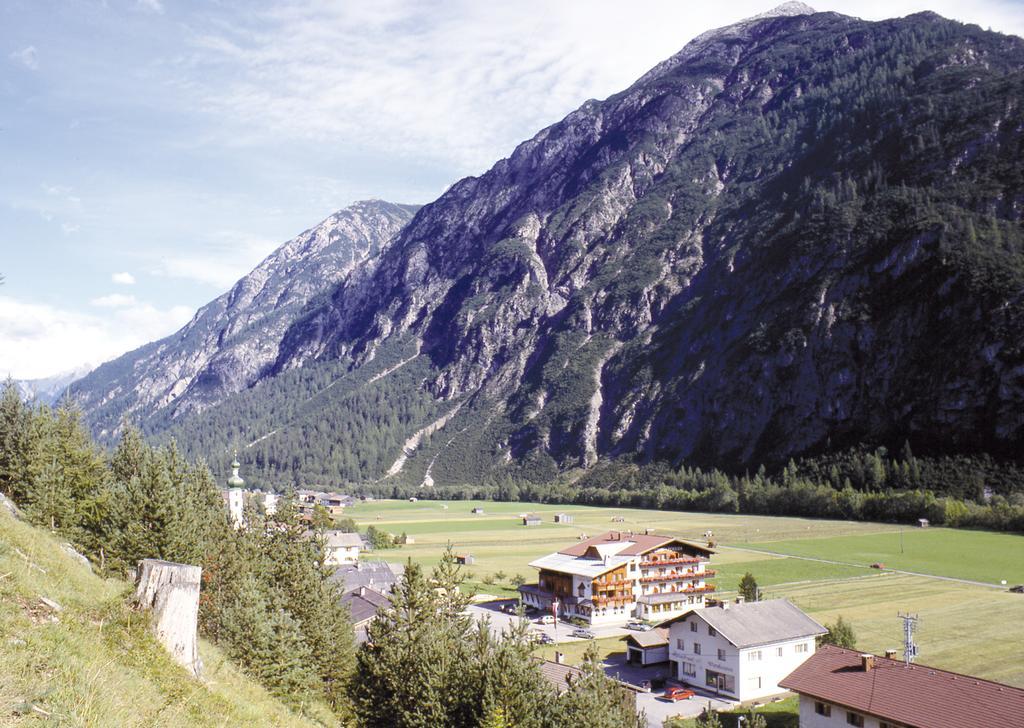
(964, 627)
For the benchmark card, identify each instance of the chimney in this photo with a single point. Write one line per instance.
(890, 654)
(559, 658)
(867, 661)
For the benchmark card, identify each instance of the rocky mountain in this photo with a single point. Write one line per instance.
(232, 341)
(801, 232)
(49, 390)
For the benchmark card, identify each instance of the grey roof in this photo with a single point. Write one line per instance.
(757, 623)
(663, 597)
(378, 575)
(364, 604)
(560, 675)
(342, 539)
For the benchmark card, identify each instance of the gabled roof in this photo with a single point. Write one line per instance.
(632, 544)
(341, 539)
(657, 637)
(364, 604)
(914, 695)
(751, 624)
(559, 674)
(379, 575)
(577, 565)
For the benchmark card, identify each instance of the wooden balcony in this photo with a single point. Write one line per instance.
(671, 562)
(680, 575)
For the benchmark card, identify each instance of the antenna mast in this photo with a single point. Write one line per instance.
(909, 646)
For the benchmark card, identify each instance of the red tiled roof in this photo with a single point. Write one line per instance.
(916, 696)
(640, 543)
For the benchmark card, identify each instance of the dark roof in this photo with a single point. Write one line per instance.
(751, 624)
(657, 637)
(639, 543)
(364, 604)
(915, 695)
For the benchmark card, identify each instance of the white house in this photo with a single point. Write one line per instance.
(342, 548)
(741, 650)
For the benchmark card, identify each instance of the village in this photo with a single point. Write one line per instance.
(687, 651)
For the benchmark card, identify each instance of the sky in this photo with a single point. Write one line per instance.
(154, 151)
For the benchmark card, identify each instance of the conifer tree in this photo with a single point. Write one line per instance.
(597, 701)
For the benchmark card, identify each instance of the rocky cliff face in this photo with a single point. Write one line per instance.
(802, 231)
(231, 342)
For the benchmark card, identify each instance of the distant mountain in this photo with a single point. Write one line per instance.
(232, 341)
(800, 233)
(50, 389)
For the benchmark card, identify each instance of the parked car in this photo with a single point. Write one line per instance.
(637, 626)
(878, 565)
(583, 633)
(510, 608)
(544, 638)
(677, 694)
(1019, 589)
(546, 619)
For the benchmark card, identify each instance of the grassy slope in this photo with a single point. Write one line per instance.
(97, 665)
(965, 628)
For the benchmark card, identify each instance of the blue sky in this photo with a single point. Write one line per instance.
(153, 151)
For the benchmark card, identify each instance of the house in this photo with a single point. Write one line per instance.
(364, 604)
(531, 519)
(342, 547)
(839, 687)
(377, 575)
(563, 518)
(741, 651)
(477, 511)
(561, 677)
(922, 523)
(465, 559)
(647, 648)
(615, 576)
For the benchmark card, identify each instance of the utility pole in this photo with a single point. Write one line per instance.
(909, 647)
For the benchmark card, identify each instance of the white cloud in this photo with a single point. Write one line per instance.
(28, 57)
(227, 256)
(70, 228)
(38, 340)
(462, 81)
(114, 300)
(154, 6)
(124, 278)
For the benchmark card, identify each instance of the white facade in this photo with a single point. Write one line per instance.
(822, 714)
(702, 657)
(236, 506)
(270, 503)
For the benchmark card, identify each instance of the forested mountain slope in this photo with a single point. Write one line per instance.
(800, 233)
(231, 341)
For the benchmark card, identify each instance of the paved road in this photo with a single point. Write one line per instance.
(971, 582)
(562, 632)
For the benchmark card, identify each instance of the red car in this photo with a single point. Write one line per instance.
(878, 565)
(676, 694)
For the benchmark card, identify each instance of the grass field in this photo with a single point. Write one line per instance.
(966, 628)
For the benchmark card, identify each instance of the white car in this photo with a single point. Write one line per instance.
(637, 626)
(546, 619)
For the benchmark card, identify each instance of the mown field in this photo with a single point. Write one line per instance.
(964, 627)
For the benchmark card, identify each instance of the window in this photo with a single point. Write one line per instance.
(689, 669)
(680, 644)
(855, 719)
(721, 654)
(696, 648)
(754, 656)
(801, 648)
(823, 709)
(693, 626)
(778, 652)
(711, 631)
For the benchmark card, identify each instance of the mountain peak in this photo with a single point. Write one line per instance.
(786, 9)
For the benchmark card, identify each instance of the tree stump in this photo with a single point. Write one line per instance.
(171, 591)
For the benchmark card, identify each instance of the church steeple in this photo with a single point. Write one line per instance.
(235, 481)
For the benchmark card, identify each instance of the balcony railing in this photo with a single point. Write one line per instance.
(683, 575)
(611, 583)
(669, 562)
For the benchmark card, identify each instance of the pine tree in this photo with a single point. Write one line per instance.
(597, 701)
(840, 634)
(748, 588)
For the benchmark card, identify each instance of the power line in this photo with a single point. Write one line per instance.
(909, 646)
